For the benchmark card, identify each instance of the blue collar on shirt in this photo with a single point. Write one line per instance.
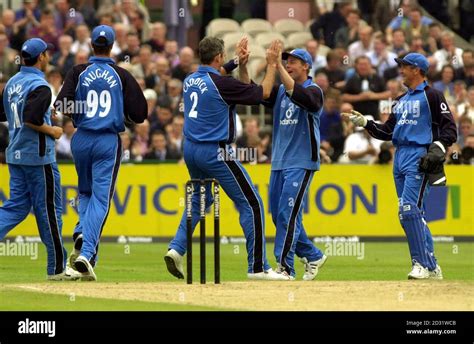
(32, 70)
(420, 87)
(95, 59)
(208, 69)
(308, 82)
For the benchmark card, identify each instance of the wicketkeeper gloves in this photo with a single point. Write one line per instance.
(433, 164)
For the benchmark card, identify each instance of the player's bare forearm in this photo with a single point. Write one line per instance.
(54, 132)
(244, 74)
(268, 80)
(286, 79)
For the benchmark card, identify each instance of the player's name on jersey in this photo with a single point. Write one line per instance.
(198, 82)
(99, 74)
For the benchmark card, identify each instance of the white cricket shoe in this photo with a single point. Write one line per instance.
(76, 251)
(83, 266)
(311, 269)
(436, 273)
(419, 272)
(174, 263)
(270, 275)
(67, 275)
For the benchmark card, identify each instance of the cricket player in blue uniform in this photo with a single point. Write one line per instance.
(421, 127)
(103, 97)
(209, 128)
(297, 104)
(31, 158)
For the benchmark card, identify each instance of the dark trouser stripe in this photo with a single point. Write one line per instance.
(257, 214)
(52, 221)
(422, 191)
(292, 222)
(118, 158)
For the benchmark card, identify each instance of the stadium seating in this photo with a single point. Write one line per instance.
(219, 27)
(264, 39)
(298, 39)
(255, 26)
(288, 26)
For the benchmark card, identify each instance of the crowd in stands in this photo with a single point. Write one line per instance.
(353, 63)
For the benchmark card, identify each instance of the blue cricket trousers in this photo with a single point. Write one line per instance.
(287, 196)
(38, 187)
(97, 157)
(412, 189)
(206, 160)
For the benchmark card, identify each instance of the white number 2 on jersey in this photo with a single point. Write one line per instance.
(16, 117)
(193, 113)
(104, 100)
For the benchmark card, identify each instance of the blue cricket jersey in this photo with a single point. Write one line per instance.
(209, 104)
(103, 96)
(418, 118)
(27, 146)
(296, 137)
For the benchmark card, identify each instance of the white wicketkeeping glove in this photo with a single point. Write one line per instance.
(356, 117)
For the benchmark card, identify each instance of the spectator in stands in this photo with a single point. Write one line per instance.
(142, 69)
(333, 70)
(330, 22)
(55, 81)
(63, 145)
(175, 88)
(446, 84)
(319, 61)
(176, 23)
(384, 11)
(161, 75)
(403, 21)
(349, 34)
(251, 132)
(15, 33)
(465, 129)
(140, 25)
(133, 48)
(160, 149)
(164, 118)
(462, 73)
(365, 88)
(322, 81)
(467, 153)
(151, 100)
(394, 87)
(449, 54)
(171, 53)
(83, 39)
(416, 27)
(466, 14)
(360, 147)
(64, 58)
(29, 11)
(399, 45)
(7, 59)
(417, 46)
(331, 128)
(66, 19)
(46, 30)
(81, 57)
(120, 43)
(126, 139)
(186, 58)
(157, 40)
(363, 46)
(460, 92)
(434, 40)
(381, 58)
(467, 108)
(175, 136)
(141, 137)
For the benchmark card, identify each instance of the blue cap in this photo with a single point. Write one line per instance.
(103, 31)
(33, 47)
(301, 54)
(415, 60)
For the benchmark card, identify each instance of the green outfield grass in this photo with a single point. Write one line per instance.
(144, 263)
